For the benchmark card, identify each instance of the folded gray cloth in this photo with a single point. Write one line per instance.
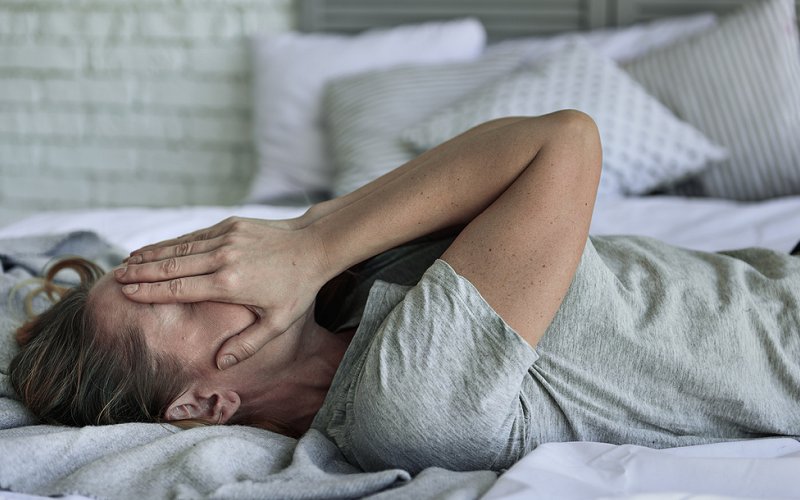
(32, 253)
(160, 461)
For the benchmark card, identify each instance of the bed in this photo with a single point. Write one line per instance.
(700, 176)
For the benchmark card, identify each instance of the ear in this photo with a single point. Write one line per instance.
(214, 406)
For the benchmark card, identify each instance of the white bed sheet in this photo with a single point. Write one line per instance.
(131, 228)
(702, 224)
(564, 470)
(758, 468)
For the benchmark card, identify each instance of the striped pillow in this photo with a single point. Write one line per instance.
(739, 84)
(365, 113)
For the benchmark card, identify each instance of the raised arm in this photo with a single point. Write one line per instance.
(326, 207)
(523, 187)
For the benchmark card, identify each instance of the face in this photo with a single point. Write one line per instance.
(192, 332)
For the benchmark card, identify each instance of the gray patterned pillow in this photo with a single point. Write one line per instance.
(644, 145)
(740, 84)
(365, 113)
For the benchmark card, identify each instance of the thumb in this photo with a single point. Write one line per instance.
(246, 343)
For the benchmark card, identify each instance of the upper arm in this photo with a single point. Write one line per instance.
(522, 251)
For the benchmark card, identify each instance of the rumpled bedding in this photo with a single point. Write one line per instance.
(157, 461)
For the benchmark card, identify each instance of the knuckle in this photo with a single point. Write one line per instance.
(169, 266)
(227, 255)
(183, 249)
(230, 222)
(218, 257)
(238, 224)
(176, 287)
(226, 280)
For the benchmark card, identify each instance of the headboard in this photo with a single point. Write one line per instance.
(502, 18)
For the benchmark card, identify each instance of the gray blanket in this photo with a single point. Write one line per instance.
(158, 461)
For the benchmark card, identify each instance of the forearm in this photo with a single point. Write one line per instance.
(327, 207)
(447, 186)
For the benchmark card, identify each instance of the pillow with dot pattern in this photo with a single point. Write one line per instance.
(645, 146)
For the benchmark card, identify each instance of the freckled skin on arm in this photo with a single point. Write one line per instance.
(521, 253)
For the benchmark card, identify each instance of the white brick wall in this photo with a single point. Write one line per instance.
(127, 102)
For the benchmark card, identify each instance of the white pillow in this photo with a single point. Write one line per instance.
(644, 145)
(290, 72)
(740, 85)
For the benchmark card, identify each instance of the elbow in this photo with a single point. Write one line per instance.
(572, 131)
(578, 125)
(571, 124)
(581, 131)
(574, 117)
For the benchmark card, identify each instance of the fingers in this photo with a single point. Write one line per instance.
(240, 347)
(167, 269)
(199, 235)
(191, 289)
(186, 238)
(159, 264)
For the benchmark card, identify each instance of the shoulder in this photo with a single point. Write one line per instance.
(440, 382)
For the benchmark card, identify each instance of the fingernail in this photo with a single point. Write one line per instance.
(120, 271)
(227, 361)
(135, 259)
(129, 289)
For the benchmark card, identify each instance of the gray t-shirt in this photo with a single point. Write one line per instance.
(652, 345)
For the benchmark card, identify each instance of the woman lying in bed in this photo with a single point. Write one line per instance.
(471, 320)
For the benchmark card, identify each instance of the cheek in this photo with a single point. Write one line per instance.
(217, 322)
(187, 343)
(228, 319)
(170, 330)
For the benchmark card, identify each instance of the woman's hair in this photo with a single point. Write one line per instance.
(70, 372)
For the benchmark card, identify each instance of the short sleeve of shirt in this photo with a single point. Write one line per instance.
(433, 377)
